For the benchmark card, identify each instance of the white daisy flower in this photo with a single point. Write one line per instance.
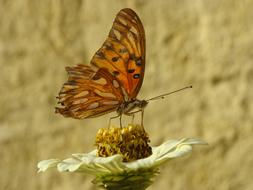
(116, 171)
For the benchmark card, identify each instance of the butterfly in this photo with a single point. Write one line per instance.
(114, 77)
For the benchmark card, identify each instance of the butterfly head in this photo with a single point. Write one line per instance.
(131, 105)
(142, 103)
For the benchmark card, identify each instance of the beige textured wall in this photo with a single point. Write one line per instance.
(206, 43)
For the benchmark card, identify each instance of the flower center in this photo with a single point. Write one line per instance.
(131, 142)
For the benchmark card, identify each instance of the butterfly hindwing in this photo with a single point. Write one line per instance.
(89, 93)
(123, 52)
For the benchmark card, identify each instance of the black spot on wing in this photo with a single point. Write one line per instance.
(132, 57)
(109, 47)
(137, 60)
(136, 76)
(114, 59)
(100, 54)
(96, 77)
(131, 70)
(123, 50)
(115, 73)
(70, 82)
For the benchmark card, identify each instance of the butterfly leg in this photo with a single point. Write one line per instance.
(132, 118)
(142, 116)
(111, 119)
(132, 114)
(120, 120)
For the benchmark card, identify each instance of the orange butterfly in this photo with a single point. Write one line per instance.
(114, 78)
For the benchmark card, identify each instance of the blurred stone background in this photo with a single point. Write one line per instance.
(206, 43)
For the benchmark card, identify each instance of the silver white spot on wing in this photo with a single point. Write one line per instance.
(66, 88)
(115, 84)
(80, 101)
(104, 94)
(101, 81)
(122, 21)
(93, 105)
(134, 30)
(111, 102)
(81, 94)
(69, 87)
(126, 97)
(117, 34)
(75, 109)
(130, 36)
(134, 19)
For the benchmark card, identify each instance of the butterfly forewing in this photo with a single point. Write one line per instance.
(123, 52)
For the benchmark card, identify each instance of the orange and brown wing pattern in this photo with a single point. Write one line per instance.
(89, 93)
(123, 52)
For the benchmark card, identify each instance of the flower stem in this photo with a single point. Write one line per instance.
(138, 180)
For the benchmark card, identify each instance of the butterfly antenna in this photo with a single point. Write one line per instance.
(166, 94)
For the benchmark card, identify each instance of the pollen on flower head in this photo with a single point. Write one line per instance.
(131, 142)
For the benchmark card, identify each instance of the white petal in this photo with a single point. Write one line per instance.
(45, 164)
(165, 152)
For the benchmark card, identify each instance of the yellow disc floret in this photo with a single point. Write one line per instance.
(131, 142)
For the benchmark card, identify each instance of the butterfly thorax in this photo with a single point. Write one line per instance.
(129, 106)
